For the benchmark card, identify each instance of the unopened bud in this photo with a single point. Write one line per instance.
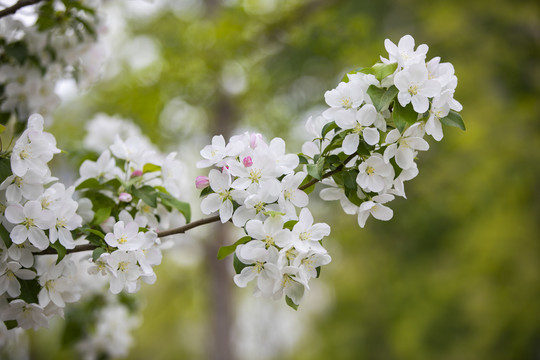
(125, 197)
(136, 173)
(247, 161)
(201, 182)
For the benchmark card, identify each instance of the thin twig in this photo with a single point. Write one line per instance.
(191, 225)
(18, 5)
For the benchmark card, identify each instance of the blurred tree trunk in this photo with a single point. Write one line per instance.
(221, 312)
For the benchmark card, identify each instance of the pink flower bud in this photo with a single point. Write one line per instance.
(247, 161)
(253, 139)
(136, 173)
(125, 197)
(201, 182)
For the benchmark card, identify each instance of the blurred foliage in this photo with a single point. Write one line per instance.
(456, 273)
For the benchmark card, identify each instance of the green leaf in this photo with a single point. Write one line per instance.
(316, 170)
(381, 70)
(97, 253)
(345, 78)
(101, 215)
(29, 290)
(5, 236)
(349, 179)
(5, 169)
(291, 303)
(403, 116)
(381, 98)
(453, 119)
(60, 250)
(147, 194)
(4, 117)
(238, 265)
(290, 224)
(207, 190)
(309, 189)
(18, 51)
(318, 269)
(327, 128)
(313, 170)
(170, 201)
(225, 251)
(95, 232)
(333, 161)
(91, 183)
(11, 324)
(150, 168)
(303, 159)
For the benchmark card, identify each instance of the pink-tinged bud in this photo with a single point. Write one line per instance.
(201, 182)
(254, 139)
(247, 161)
(125, 197)
(136, 173)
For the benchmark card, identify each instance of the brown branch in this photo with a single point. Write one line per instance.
(18, 5)
(328, 174)
(191, 225)
(51, 251)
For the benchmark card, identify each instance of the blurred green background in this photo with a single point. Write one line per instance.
(454, 275)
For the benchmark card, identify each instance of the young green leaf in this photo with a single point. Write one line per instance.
(147, 194)
(101, 215)
(170, 201)
(291, 303)
(327, 128)
(381, 97)
(403, 116)
(97, 253)
(381, 70)
(453, 119)
(238, 265)
(60, 250)
(290, 224)
(225, 251)
(29, 290)
(150, 168)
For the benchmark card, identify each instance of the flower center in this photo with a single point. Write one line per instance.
(122, 240)
(28, 222)
(225, 195)
(259, 207)
(259, 266)
(255, 175)
(304, 235)
(370, 170)
(413, 89)
(122, 266)
(269, 241)
(346, 103)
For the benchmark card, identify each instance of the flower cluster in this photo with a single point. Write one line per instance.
(256, 187)
(134, 190)
(375, 126)
(37, 213)
(35, 57)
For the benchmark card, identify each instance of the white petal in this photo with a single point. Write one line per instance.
(382, 212)
(350, 144)
(371, 135)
